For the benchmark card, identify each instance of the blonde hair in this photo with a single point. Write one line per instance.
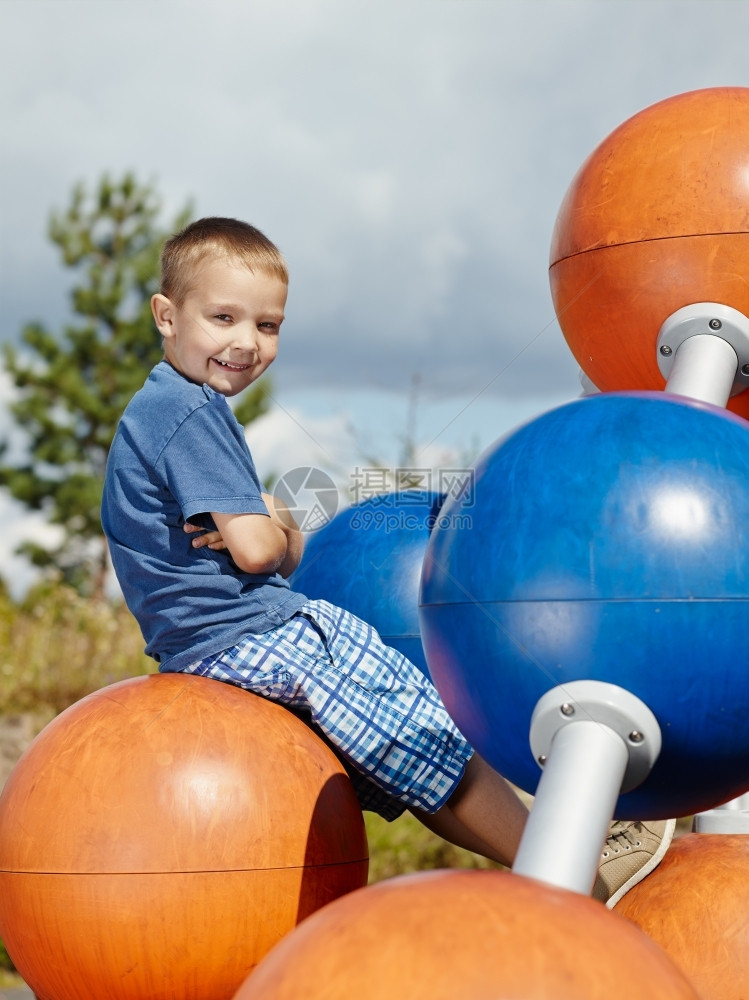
(216, 237)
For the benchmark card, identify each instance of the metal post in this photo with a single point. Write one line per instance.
(593, 740)
(573, 807)
(704, 368)
(731, 817)
(703, 352)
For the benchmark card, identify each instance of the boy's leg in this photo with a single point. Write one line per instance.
(483, 815)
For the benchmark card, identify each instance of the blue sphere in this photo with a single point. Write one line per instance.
(368, 559)
(610, 542)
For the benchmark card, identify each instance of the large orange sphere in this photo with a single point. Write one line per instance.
(468, 935)
(162, 834)
(656, 218)
(695, 907)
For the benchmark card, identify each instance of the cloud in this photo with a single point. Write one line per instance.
(287, 438)
(408, 157)
(18, 526)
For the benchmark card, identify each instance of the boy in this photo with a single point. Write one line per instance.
(218, 605)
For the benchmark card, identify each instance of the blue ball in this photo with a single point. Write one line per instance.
(609, 541)
(368, 560)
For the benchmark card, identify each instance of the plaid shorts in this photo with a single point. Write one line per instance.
(377, 711)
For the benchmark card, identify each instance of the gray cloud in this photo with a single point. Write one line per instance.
(409, 157)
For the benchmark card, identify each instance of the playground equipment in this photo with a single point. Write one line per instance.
(594, 516)
(586, 601)
(694, 907)
(368, 560)
(656, 221)
(472, 935)
(162, 834)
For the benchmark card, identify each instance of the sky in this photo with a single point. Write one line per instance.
(408, 157)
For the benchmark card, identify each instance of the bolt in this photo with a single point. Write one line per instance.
(745, 369)
(715, 324)
(666, 351)
(636, 737)
(542, 759)
(567, 709)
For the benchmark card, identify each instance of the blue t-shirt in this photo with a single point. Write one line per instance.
(178, 454)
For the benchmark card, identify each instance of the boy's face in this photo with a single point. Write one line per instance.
(225, 333)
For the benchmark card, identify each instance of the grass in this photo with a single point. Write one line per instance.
(405, 846)
(57, 646)
(10, 980)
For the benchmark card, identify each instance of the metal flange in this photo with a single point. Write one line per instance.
(608, 705)
(706, 319)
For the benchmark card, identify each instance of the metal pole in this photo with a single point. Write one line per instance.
(703, 352)
(704, 368)
(573, 807)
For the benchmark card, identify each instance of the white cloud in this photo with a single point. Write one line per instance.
(18, 526)
(285, 439)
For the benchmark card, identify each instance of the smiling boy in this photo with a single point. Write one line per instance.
(219, 605)
(222, 332)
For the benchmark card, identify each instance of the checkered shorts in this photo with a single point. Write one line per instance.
(383, 718)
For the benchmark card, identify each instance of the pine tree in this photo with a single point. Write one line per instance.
(73, 386)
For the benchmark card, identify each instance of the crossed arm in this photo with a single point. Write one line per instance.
(256, 543)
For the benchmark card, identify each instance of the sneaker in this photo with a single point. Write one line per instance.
(632, 850)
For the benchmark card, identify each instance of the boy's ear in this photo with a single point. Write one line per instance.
(163, 313)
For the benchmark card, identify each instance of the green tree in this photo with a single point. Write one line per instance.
(73, 385)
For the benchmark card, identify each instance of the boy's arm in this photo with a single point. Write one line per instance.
(281, 515)
(260, 544)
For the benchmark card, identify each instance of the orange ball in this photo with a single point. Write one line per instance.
(656, 218)
(162, 834)
(695, 907)
(473, 935)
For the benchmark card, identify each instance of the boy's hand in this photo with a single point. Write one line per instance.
(211, 539)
